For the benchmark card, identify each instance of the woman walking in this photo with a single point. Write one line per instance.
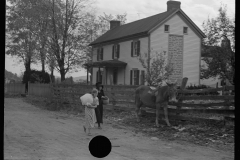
(90, 116)
(99, 109)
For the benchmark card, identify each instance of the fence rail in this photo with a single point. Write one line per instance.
(43, 90)
(120, 95)
(17, 88)
(125, 95)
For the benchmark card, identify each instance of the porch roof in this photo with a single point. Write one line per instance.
(108, 63)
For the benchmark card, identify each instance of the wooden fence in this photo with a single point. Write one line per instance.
(124, 96)
(43, 90)
(17, 88)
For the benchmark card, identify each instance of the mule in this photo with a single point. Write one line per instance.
(155, 99)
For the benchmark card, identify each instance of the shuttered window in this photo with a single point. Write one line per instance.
(115, 51)
(100, 54)
(101, 57)
(134, 77)
(142, 77)
(135, 48)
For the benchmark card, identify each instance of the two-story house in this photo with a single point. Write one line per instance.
(115, 53)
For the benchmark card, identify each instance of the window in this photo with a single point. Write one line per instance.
(166, 28)
(134, 77)
(115, 51)
(135, 48)
(100, 54)
(185, 30)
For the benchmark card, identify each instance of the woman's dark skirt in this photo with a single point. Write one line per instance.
(99, 113)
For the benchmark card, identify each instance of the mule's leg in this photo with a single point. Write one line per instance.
(157, 114)
(165, 107)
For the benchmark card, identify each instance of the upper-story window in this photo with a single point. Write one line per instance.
(115, 51)
(185, 30)
(166, 28)
(135, 48)
(100, 54)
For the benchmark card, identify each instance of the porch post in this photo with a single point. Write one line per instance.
(106, 75)
(124, 75)
(99, 74)
(87, 74)
(103, 76)
(91, 77)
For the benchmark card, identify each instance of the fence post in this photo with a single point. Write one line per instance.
(225, 99)
(183, 85)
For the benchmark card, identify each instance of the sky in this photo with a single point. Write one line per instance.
(197, 10)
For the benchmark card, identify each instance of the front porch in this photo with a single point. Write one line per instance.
(110, 72)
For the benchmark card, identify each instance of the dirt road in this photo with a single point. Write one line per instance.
(32, 133)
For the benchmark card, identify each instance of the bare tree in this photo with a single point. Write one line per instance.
(158, 67)
(67, 37)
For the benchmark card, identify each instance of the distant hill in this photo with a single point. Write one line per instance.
(9, 75)
(80, 78)
(75, 79)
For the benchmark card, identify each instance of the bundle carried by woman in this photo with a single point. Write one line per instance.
(86, 99)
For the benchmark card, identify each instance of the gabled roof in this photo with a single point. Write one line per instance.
(141, 27)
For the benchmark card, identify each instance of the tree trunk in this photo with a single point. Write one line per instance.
(52, 76)
(28, 72)
(43, 65)
(62, 72)
(42, 54)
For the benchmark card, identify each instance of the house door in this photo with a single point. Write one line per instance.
(115, 73)
(175, 55)
(99, 76)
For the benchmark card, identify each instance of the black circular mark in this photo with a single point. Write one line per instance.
(100, 146)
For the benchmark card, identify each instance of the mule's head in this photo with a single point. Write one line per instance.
(172, 91)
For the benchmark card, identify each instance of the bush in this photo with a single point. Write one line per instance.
(35, 76)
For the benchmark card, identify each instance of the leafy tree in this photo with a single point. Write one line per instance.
(67, 37)
(42, 31)
(219, 47)
(36, 77)
(20, 27)
(158, 67)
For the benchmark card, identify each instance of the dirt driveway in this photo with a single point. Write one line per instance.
(32, 133)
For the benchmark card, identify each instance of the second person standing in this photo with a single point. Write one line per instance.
(99, 109)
